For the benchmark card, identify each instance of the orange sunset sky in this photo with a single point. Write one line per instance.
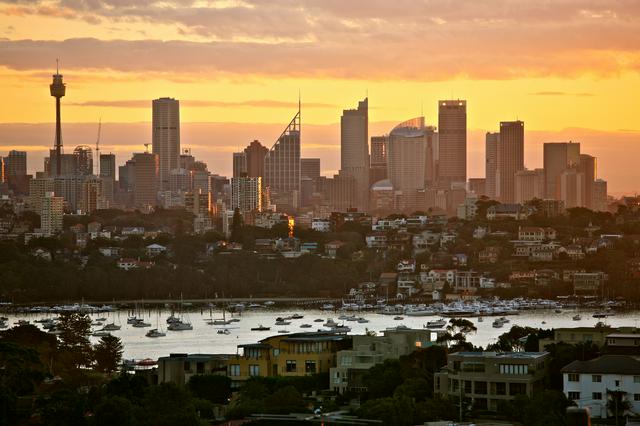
(570, 69)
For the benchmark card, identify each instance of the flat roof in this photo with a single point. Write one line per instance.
(507, 355)
(624, 336)
(194, 357)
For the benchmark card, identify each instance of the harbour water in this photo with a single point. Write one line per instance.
(204, 338)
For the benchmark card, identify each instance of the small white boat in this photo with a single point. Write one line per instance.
(306, 326)
(577, 317)
(283, 322)
(362, 320)
(224, 331)
(327, 307)
(398, 318)
(283, 331)
(480, 319)
(340, 329)
(318, 320)
(330, 323)
(497, 324)
(297, 316)
(155, 333)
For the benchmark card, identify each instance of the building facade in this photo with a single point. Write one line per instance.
(166, 137)
(354, 150)
(452, 143)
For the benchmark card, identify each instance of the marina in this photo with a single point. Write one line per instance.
(196, 331)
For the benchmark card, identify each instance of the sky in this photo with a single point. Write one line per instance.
(570, 69)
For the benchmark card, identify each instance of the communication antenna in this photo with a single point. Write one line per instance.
(98, 147)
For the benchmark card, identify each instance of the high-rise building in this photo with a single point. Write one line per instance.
(108, 176)
(69, 187)
(588, 166)
(179, 180)
(406, 157)
(83, 159)
(571, 188)
(478, 186)
(432, 139)
(51, 214)
(15, 171)
(91, 198)
(146, 170)
(199, 180)
(239, 164)
(600, 200)
(510, 158)
(492, 141)
(282, 167)
(166, 137)
(198, 202)
(68, 164)
(528, 184)
(341, 191)
(57, 89)
(254, 159)
(354, 150)
(186, 161)
(126, 176)
(246, 194)
(452, 142)
(38, 187)
(378, 167)
(558, 156)
(310, 168)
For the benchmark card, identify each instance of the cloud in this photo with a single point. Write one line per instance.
(264, 103)
(551, 93)
(373, 39)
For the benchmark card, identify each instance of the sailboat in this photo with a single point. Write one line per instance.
(155, 332)
(180, 325)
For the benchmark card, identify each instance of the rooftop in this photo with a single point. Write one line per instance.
(509, 355)
(606, 364)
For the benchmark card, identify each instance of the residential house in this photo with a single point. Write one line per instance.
(588, 282)
(331, 248)
(377, 240)
(509, 211)
(489, 378)
(110, 251)
(489, 255)
(406, 265)
(179, 368)
(128, 264)
(154, 250)
(598, 383)
(321, 225)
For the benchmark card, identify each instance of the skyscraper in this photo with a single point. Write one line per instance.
(571, 188)
(84, 159)
(246, 194)
(510, 158)
(254, 159)
(588, 167)
(492, 141)
(378, 164)
(558, 156)
(600, 202)
(108, 176)
(146, 168)
(166, 137)
(354, 150)
(239, 164)
(310, 168)
(528, 184)
(57, 89)
(282, 167)
(15, 169)
(452, 149)
(51, 211)
(406, 157)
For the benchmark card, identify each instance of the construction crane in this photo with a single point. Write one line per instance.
(98, 147)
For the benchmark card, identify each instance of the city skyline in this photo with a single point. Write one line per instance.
(581, 87)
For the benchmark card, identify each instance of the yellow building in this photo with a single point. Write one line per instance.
(297, 354)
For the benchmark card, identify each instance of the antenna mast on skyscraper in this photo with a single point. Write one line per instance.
(98, 147)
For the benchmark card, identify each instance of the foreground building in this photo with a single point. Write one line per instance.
(596, 384)
(487, 378)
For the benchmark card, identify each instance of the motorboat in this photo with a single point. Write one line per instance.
(327, 307)
(601, 314)
(340, 328)
(497, 323)
(134, 319)
(435, 324)
(480, 319)
(172, 319)
(577, 317)
(180, 326)
(283, 322)
(362, 320)
(260, 328)
(297, 316)
(111, 327)
(306, 326)
(224, 331)
(398, 318)
(101, 334)
(141, 324)
(155, 333)
(283, 331)
(318, 320)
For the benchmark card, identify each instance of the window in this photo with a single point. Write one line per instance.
(187, 366)
(517, 389)
(617, 382)
(467, 386)
(291, 366)
(480, 388)
(501, 388)
(234, 370)
(597, 396)
(254, 370)
(200, 367)
(309, 366)
(574, 377)
(636, 379)
(636, 396)
(514, 369)
(346, 361)
(276, 352)
(574, 396)
(596, 378)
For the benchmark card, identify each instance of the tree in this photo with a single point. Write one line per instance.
(74, 331)
(392, 411)
(211, 387)
(456, 334)
(382, 379)
(108, 354)
(115, 410)
(168, 404)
